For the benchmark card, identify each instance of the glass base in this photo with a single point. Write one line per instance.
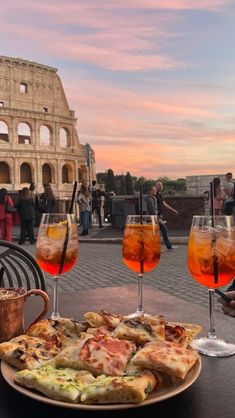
(137, 313)
(214, 347)
(55, 315)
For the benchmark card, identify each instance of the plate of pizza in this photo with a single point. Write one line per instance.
(105, 362)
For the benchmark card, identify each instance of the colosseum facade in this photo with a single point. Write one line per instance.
(38, 138)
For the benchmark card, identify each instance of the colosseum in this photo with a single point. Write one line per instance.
(38, 138)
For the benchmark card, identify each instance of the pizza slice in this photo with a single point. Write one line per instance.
(97, 354)
(102, 330)
(65, 330)
(97, 319)
(167, 357)
(176, 333)
(74, 386)
(141, 329)
(60, 384)
(124, 389)
(25, 352)
(191, 330)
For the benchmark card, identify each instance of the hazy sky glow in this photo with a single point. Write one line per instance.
(152, 82)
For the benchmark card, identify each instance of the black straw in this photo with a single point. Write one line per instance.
(141, 205)
(141, 223)
(73, 197)
(65, 244)
(215, 258)
(1, 275)
(212, 203)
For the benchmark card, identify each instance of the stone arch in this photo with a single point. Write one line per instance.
(65, 137)
(25, 173)
(48, 174)
(24, 133)
(67, 173)
(82, 174)
(45, 135)
(4, 131)
(4, 173)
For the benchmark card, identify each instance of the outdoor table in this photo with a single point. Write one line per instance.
(211, 396)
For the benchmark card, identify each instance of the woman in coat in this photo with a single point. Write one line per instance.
(84, 201)
(5, 215)
(25, 207)
(48, 200)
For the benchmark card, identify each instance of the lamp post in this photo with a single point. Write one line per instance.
(88, 161)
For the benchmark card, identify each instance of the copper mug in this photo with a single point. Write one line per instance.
(12, 311)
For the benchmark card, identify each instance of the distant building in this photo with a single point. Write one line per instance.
(197, 185)
(38, 137)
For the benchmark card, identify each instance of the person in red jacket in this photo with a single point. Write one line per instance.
(5, 216)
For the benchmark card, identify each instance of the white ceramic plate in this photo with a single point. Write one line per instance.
(163, 393)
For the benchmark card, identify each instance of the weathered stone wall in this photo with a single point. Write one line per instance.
(187, 206)
(201, 184)
(32, 94)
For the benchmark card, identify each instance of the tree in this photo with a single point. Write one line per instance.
(101, 178)
(122, 188)
(129, 184)
(139, 182)
(110, 182)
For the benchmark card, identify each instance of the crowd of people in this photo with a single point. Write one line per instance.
(90, 201)
(29, 205)
(223, 197)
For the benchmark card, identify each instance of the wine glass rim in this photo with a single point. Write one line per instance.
(57, 214)
(213, 216)
(143, 216)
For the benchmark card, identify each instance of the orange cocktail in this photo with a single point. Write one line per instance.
(50, 247)
(141, 247)
(210, 252)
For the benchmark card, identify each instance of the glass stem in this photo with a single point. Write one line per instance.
(55, 313)
(140, 309)
(212, 333)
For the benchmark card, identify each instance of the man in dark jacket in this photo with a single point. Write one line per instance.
(97, 194)
(26, 210)
(162, 223)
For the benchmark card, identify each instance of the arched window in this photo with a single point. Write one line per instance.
(24, 136)
(4, 173)
(64, 138)
(3, 131)
(46, 174)
(65, 174)
(25, 173)
(45, 135)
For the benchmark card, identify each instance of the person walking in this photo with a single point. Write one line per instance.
(33, 194)
(97, 194)
(6, 209)
(84, 201)
(162, 223)
(25, 207)
(151, 201)
(229, 200)
(218, 196)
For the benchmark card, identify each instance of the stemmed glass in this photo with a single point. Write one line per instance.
(141, 249)
(211, 261)
(57, 248)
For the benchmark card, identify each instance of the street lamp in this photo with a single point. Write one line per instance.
(88, 156)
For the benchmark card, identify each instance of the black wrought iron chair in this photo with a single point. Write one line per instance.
(20, 268)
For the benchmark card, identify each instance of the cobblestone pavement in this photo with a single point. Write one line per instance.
(101, 265)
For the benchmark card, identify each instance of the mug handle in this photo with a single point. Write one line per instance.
(45, 308)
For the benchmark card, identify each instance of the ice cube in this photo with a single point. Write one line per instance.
(224, 246)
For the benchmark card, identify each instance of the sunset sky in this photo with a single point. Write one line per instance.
(152, 82)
